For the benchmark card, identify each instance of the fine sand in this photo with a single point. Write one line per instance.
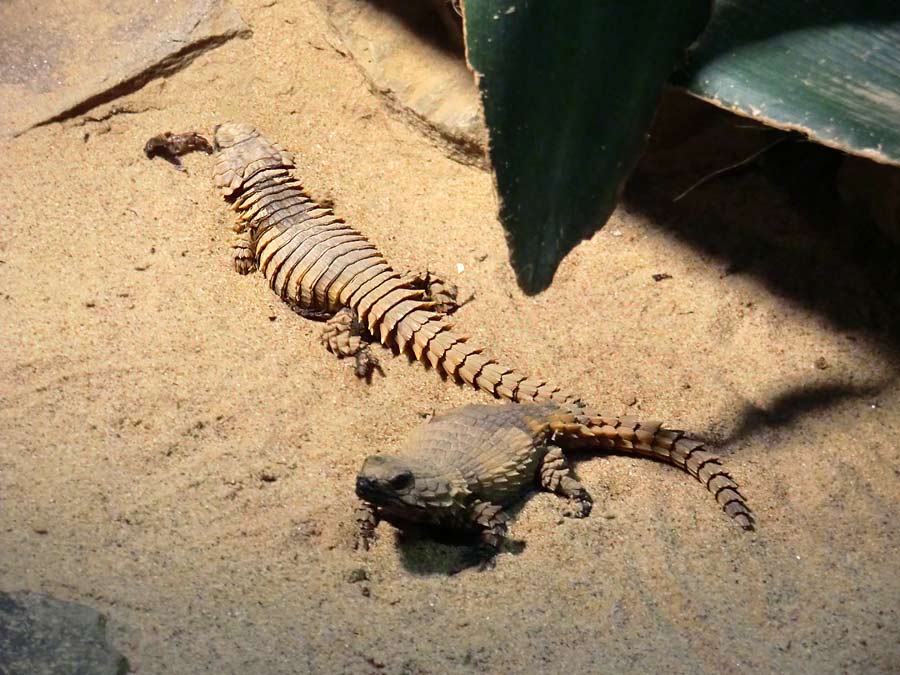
(178, 451)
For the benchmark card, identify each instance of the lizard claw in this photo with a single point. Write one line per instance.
(579, 506)
(364, 541)
(487, 563)
(366, 364)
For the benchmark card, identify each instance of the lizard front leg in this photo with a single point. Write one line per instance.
(490, 520)
(556, 476)
(343, 337)
(366, 521)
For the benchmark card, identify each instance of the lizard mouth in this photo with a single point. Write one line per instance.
(368, 489)
(394, 507)
(374, 492)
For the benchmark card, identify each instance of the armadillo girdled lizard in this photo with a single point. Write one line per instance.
(462, 469)
(324, 268)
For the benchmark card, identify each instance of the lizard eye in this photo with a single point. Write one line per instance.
(401, 480)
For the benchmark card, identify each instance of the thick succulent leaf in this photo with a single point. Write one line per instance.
(828, 68)
(569, 89)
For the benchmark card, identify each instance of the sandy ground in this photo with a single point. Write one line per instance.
(178, 451)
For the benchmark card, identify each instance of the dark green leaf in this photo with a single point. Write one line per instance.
(569, 89)
(828, 68)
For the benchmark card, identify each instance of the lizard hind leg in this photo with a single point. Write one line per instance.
(243, 252)
(442, 293)
(343, 337)
(366, 521)
(556, 476)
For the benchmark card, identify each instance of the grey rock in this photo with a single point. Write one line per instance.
(40, 635)
(411, 61)
(60, 59)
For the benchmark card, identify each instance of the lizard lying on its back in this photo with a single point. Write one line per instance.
(461, 469)
(325, 269)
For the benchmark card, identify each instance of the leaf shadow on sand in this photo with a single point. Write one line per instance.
(779, 219)
(793, 404)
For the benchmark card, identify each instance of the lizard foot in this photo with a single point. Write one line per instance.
(366, 522)
(492, 521)
(579, 506)
(171, 147)
(480, 558)
(366, 364)
(344, 337)
(441, 293)
(556, 476)
(243, 253)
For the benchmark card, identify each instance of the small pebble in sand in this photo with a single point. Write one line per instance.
(357, 574)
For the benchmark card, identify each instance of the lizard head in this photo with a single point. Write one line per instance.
(403, 487)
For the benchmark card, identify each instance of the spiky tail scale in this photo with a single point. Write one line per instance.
(578, 425)
(314, 261)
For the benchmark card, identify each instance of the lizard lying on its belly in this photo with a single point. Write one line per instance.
(461, 470)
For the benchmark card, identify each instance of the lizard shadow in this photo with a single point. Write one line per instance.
(426, 550)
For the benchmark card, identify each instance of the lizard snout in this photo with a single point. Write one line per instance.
(364, 486)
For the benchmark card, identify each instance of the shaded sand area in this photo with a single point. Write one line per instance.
(178, 451)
